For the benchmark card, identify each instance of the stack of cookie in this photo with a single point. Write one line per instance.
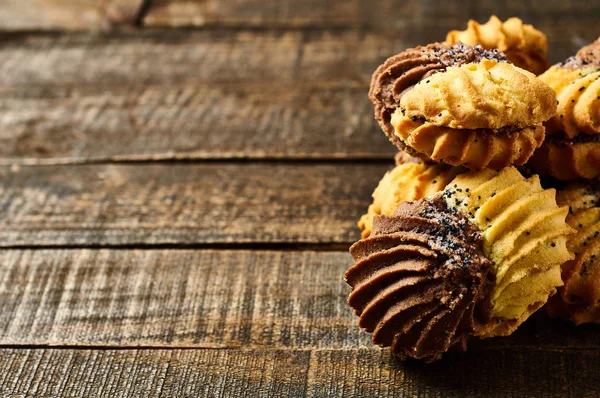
(459, 242)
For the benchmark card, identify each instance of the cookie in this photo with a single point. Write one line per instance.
(579, 299)
(411, 179)
(524, 46)
(572, 147)
(476, 259)
(524, 235)
(418, 278)
(461, 105)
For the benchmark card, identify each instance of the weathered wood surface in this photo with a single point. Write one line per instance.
(262, 80)
(278, 373)
(191, 95)
(176, 298)
(209, 94)
(391, 15)
(152, 373)
(220, 55)
(69, 14)
(272, 56)
(378, 15)
(169, 57)
(226, 121)
(188, 204)
(207, 299)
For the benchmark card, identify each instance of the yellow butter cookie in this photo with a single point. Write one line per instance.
(579, 299)
(476, 259)
(411, 179)
(523, 45)
(524, 235)
(478, 115)
(572, 147)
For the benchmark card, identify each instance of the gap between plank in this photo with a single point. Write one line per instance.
(182, 159)
(334, 26)
(250, 246)
(242, 348)
(8, 35)
(142, 12)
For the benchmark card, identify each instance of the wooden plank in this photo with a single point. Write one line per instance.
(476, 373)
(224, 55)
(207, 298)
(152, 373)
(166, 57)
(567, 23)
(191, 95)
(319, 373)
(176, 298)
(184, 203)
(221, 121)
(70, 14)
(388, 14)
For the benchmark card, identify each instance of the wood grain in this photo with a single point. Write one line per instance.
(70, 14)
(226, 55)
(207, 298)
(198, 95)
(191, 95)
(55, 62)
(476, 373)
(66, 104)
(316, 373)
(220, 121)
(566, 23)
(383, 14)
(177, 298)
(148, 57)
(262, 80)
(152, 373)
(184, 203)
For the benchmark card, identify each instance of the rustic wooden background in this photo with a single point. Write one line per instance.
(179, 184)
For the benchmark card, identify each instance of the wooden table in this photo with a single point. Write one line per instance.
(177, 204)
